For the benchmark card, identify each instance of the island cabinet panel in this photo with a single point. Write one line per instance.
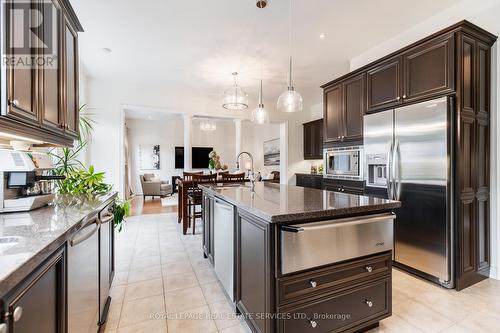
(384, 85)
(429, 69)
(38, 304)
(348, 310)
(254, 272)
(41, 100)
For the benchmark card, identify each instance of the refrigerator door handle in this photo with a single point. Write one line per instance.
(388, 167)
(397, 170)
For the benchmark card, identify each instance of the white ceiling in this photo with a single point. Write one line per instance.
(190, 47)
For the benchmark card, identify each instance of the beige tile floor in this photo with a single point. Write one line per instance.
(163, 284)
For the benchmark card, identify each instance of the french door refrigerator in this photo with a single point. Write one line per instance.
(408, 158)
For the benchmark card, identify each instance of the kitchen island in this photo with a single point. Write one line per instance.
(296, 259)
(56, 265)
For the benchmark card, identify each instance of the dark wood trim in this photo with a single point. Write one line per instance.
(70, 12)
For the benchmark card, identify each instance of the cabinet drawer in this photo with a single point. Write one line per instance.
(317, 281)
(362, 305)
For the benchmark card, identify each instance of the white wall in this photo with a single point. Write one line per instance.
(485, 14)
(168, 133)
(253, 137)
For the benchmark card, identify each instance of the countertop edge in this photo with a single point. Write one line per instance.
(20, 273)
(308, 216)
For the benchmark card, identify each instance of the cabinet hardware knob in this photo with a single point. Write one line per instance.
(398, 98)
(342, 190)
(369, 269)
(14, 102)
(18, 313)
(338, 137)
(3, 328)
(313, 323)
(369, 303)
(404, 96)
(313, 283)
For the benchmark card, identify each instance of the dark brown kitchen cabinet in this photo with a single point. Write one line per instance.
(473, 167)
(51, 75)
(309, 180)
(384, 85)
(354, 107)
(333, 119)
(21, 80)
(313, 140)
(38, 304)
(344, 108)
(428, 69)
(42, 101)
(454, 62)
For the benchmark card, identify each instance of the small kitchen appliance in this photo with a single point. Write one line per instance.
(26, 182)
(344, 163)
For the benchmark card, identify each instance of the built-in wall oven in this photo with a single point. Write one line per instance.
(344, 163)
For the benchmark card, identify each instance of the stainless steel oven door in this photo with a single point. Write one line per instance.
(308, 245)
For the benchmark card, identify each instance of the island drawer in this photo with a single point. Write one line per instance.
(336, 276)
(363, 304)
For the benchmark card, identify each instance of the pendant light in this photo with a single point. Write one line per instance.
(208, 125)
(260, 114)
(290, 100)
(235, 98)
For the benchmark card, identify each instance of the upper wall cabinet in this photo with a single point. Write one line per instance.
(428, 69)
(344, 105)
(384, 85)
(40, 101)
(313, 140)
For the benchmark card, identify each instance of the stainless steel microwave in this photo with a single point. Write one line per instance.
(344, 163)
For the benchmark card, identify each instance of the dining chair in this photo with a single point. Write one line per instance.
(187, 176)
(233, 177)
(195, 196)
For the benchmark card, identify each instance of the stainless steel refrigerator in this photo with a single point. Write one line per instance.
(408, 158)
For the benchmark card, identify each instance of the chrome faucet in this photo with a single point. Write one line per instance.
(251, 173)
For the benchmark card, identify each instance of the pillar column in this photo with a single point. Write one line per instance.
(188, 121)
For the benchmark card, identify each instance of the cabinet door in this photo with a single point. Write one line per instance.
(308, 141)
(354, 107)
(428, 69)
(318, 140)
(51, 76)
(333, 117)
(39, 304)
(21, 79)
(384, 85)
(70, 79)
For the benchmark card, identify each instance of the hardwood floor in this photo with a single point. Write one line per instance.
(139, 206)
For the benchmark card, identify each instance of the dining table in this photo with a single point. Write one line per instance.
(182, 201)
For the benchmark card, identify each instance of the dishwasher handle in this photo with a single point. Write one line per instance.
(291, 228)
(223, 205)
(77, 239)
(339, 223)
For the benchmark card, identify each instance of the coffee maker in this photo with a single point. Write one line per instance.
(26, 181)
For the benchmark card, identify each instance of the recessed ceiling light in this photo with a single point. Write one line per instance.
(107, 50)
(322, 36)
(150, 117)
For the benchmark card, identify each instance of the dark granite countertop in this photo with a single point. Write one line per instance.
(287, 203)
(309, 174)
(28, 238)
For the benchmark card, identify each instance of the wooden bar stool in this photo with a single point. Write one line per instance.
(195, 196)
(233, 177)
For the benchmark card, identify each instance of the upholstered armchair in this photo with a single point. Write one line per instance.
(154, 187)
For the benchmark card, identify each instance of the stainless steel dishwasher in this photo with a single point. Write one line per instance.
(105, 260)
(316, 244)
(224, 245)
(83, 277)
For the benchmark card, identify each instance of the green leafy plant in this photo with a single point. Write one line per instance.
(120, 210)
(80, 180)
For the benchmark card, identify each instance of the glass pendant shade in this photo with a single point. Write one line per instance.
(260, 114)
(235, 98)
(290, 101)
(208, 125)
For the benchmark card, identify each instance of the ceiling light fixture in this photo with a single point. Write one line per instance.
(261, 3)
(322, 36)
(208, 125)
(107, 50)
(290, 100)
(260, 114)
(235, 98)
